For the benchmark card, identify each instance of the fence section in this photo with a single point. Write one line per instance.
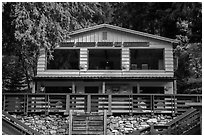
(113, 103)
(87, 123)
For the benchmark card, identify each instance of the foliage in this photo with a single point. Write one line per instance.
(13, 75)
(30, 26)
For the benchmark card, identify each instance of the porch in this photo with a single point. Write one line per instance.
(97, 102)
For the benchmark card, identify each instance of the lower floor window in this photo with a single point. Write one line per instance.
(152, 90)
(58, 89)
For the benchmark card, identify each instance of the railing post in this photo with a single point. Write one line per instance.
(70, 122)
(4, 102)
(67, 104)
(152, 104)
(175, 102)
(48, 104)
(27, 101)
(89, 103)
(46, 100)
(105, 122)
(24, 105)
(109, 104)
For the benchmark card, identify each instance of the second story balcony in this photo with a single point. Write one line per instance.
(108, 62)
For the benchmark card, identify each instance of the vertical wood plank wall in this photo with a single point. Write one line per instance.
(168, 54)
(125, 58)
(84, 58)
(41, 66)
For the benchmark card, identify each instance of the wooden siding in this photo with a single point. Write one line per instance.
(125, 58)
(112, 36)
(168, 54)
(41, 66)
(83, 58)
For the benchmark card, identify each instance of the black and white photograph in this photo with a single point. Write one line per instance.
(101, 68)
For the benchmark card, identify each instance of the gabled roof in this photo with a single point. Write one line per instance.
(123, 30)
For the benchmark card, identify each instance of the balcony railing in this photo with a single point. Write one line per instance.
(113, 103)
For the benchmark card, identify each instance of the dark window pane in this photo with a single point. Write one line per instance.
(105, 59)
(104, 35)
(146, 59)
(152, 90)
(58, 89)
(64, 59)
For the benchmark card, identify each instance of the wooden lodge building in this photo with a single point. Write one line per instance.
(108, 69)
(108, 60)
(105, 67)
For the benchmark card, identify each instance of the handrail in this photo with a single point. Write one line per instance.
(26, 128)
(101, 94)
(166, 129)
(115, 103)
(187, 113)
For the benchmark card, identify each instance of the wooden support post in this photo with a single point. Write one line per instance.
(105, 122)
(33, 88)
(73, 88)
(174, 98)
(70, 122)
(67, 104)
(46, 105)
(24, 105)
(27, 101)
(88, 103)
(138, 88)
(152, 104)
(109, 104)
(103, 87)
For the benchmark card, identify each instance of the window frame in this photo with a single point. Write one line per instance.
(163, 51)
(64, 48)
(104, 48)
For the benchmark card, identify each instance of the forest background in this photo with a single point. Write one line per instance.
(29, 26)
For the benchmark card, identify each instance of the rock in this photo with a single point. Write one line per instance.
(128, 129)
(129, 125)
(114, 126)
(52, 132)
(109, 132)
(121, 122)
(61, 130)
(54, 128)
(43, 128)
(28, 124)
(153, 120)
(133, 122)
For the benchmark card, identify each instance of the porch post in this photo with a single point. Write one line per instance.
(174, 96)
(109, 104)
(73, 87)
(33, 87)
(103, 87)
(138, 88)
(67, 104)
(175, 87)
(89, 103)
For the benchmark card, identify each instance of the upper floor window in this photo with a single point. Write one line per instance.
(143, 59)
(64, 59)
(104, 36)
(105, 59)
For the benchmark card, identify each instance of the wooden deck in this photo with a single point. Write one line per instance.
(113, 103)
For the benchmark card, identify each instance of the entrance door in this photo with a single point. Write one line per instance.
(94, 98)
